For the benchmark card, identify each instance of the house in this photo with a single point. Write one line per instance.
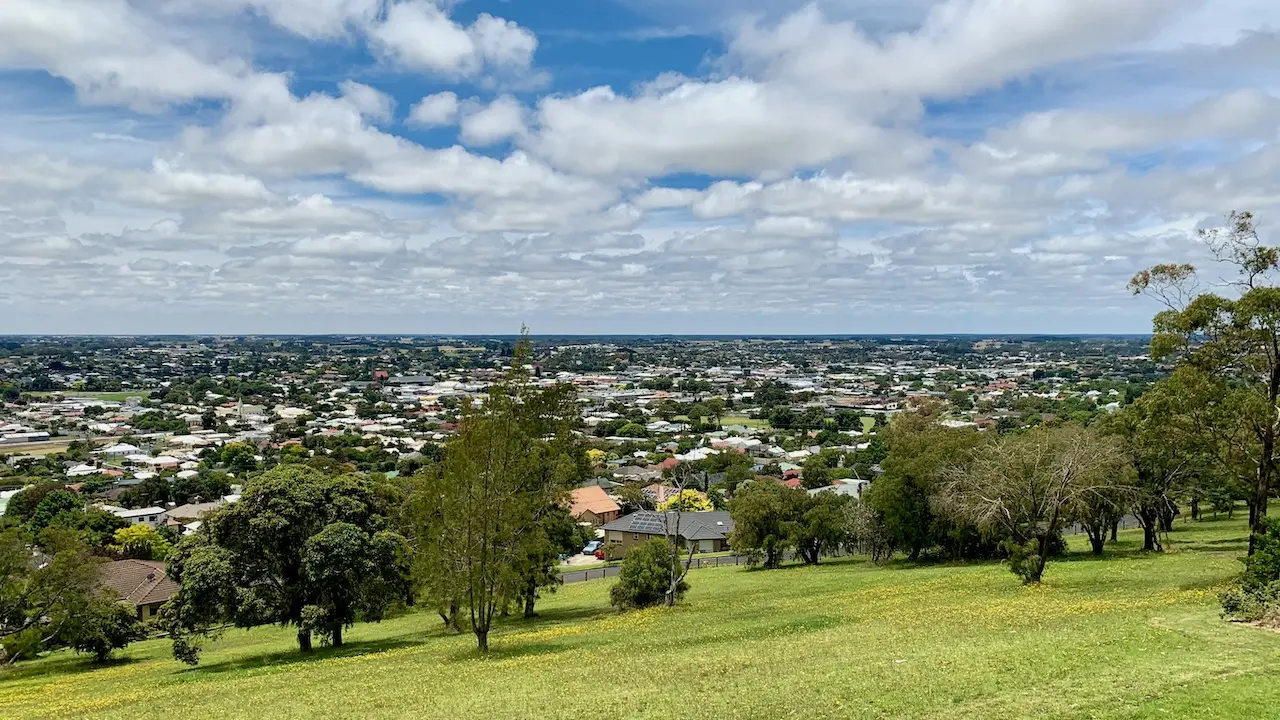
(702, 531)
(593, 505)
(852, 488)
(150, 516)
(141, 584)
(194, 511)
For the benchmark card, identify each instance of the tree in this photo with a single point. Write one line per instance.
(351, 572)
(820, 525)
(865, 533)
(1235, 340)
(686, 500)
(23, 505)
(253, 562)
(645, 576)
(508, 466)
(140, 542)
(52, 506)
(1163, 441)
(239, 458)
(715, 408)
(1028, 486)
(762, 519)
(815, 472)
(56, 603)
(903, 495)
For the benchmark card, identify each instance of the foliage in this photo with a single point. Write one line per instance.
(763, 513)
(254, 562)
(688, 501)
(903, 497)
(140, 542)
(645, 576)
(1232, 342)
(1027, 487)
(23, 505)
(51, 506)
(864, 532)
(56, 602)
(480, 523)
(1257, 597)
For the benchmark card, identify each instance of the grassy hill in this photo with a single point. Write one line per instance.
(1130, 636)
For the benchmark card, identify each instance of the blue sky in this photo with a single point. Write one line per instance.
(625, 166)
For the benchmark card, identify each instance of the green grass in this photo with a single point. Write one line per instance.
(745, 421)
(868, 423)
(1131, 636)
(107, 396)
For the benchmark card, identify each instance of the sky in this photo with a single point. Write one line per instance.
(621, 166)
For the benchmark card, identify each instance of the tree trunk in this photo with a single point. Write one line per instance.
(1167, 514)
(304, 640)
(1115, 531)
(1261, 493)
(1097, 537)
(337, 634)
(529, 599)
(482, 640)
(1195, 508)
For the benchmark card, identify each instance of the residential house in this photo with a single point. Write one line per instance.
(702, 531)
(141, 584)
(593, 505)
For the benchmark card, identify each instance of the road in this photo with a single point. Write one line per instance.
(600, 573)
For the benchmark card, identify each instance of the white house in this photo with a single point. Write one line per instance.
(149, 516)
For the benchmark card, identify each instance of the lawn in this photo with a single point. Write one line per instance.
(1132, 636)
(745, 421)
(868, 423)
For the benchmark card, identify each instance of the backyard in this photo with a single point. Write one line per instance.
(1126, 636)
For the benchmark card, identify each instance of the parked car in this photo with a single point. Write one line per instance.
(591, 548)
(600, 554)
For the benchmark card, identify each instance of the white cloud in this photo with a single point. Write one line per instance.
(502, 119)
(169, 187)
(419, 35)
(434, 110)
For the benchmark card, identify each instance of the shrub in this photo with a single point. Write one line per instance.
(645, 577)
(1258, 596)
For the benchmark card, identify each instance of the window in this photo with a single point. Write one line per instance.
(635, 536)
(151, 518)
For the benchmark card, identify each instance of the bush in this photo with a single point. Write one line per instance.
(645, 577)
(1258, 596)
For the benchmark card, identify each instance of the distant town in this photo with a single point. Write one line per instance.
(128, 420)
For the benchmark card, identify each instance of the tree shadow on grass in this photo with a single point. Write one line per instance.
(294, 656)
(500, 649)
(64, 663)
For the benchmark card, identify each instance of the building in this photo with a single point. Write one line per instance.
(593, 505)
(141, 584)
(704, 531)
(150, 516)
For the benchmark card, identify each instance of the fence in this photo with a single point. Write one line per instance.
(573, 576)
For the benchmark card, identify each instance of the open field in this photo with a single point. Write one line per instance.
(868, 423)
(108, 396)
(47, 447)
(744, 421)
(1131, 636)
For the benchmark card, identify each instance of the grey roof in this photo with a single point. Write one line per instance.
(714, 525)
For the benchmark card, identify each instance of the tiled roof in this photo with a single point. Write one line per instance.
(138, 582)
(591, 499)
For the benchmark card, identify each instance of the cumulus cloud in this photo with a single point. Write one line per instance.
(434, 110)
(956, 164)
(500, 120)
(420, 35)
